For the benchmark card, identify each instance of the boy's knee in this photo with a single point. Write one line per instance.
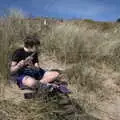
(29, 81)
(56, 74)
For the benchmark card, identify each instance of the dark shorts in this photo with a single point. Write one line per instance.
(19, 80)
(37, 75)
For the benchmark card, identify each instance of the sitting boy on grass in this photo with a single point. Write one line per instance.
(19, 65)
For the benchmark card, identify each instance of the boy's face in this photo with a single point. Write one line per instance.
(32, 48)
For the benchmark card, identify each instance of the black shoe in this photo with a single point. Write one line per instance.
(29, 95)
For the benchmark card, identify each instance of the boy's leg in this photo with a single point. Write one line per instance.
(49, 76)
(29, 81)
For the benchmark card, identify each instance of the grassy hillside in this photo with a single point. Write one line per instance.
(86, 47)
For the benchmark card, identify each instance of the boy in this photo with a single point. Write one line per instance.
(20, 63)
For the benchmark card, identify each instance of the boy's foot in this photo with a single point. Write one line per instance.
(47, 87)
(50, 87)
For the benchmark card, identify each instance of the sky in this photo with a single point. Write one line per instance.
(98, 10)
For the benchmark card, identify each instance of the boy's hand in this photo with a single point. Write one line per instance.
(28, 61)
(21, 63)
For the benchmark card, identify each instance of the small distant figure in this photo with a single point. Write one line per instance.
(45, 22)
(25, 67)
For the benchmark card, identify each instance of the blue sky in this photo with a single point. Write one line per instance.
(100, 10)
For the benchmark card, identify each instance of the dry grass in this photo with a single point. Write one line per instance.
(41, 110)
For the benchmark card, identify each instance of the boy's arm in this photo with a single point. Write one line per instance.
(36, 61)
(16, 66)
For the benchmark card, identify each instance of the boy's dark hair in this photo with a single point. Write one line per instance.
(31, 40)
